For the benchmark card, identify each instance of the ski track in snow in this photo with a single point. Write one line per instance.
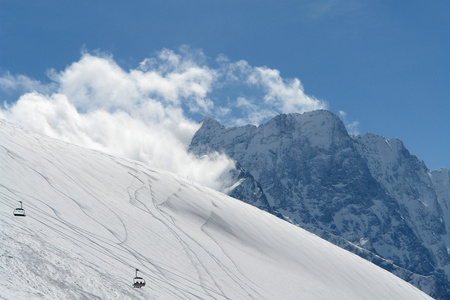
(57, 226)
(90, 242)
(221, 265)
(93, 218)
(195, 261)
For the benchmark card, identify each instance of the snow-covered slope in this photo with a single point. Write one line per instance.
(93, 218)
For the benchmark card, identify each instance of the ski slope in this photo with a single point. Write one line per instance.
(93, 218)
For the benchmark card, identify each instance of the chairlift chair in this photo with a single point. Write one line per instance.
(138, 281)
(19, 212)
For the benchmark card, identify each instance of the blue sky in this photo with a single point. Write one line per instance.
(384, 63)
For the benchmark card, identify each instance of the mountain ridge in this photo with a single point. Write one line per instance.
(370, 191)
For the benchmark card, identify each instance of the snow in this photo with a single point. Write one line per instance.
(93, 218)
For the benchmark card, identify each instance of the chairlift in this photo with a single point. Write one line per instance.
(138, 282)
(19, 212)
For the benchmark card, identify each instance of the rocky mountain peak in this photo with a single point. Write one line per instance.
(210, 123)
(321, 128)
(366, 190)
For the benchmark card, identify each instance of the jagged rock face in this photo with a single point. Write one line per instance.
(247, 189)
(408, 180)
(366, 190)
(441, 185)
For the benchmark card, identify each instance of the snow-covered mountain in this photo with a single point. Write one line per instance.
(365, 193)
(93, 218)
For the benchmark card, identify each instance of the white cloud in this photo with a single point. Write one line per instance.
(147, 113)
(352, 127)
(265, 91)
(23, 84)
(285, 95)
(253, 114)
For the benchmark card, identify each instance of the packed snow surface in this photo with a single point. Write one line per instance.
(93, 218)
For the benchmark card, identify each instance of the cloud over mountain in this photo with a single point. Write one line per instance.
(150, 113)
